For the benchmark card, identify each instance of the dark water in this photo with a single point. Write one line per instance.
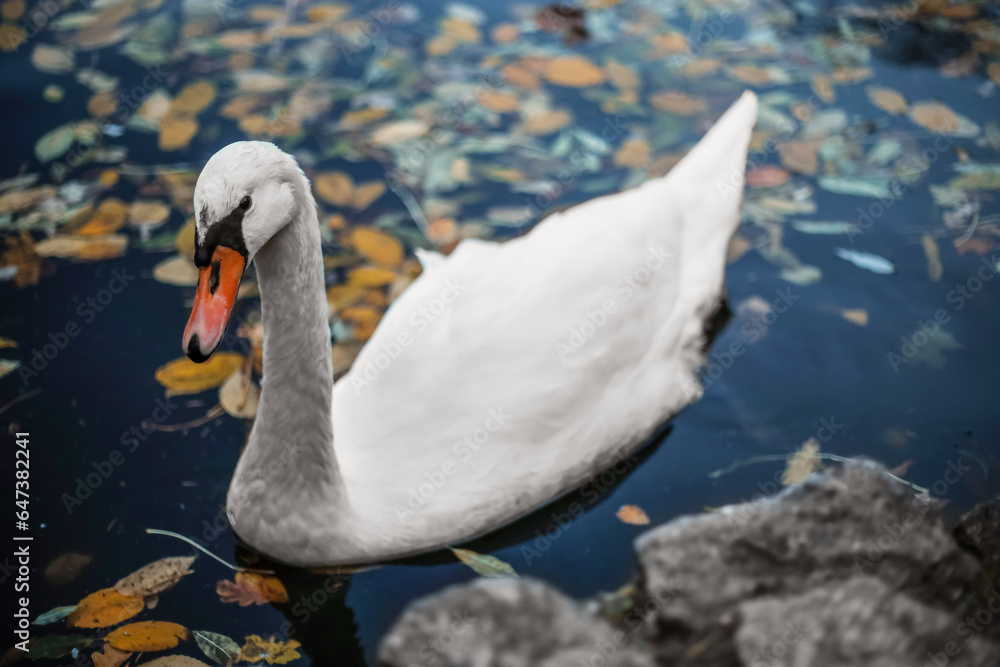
(805, 372)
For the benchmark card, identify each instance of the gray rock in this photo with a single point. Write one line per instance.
(857, 623)
(852, 520)
(508, 622)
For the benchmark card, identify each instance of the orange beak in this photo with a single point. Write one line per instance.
(218, 284)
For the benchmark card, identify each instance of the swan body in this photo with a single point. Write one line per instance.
(506, 375)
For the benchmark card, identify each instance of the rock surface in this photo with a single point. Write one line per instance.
(849, 567)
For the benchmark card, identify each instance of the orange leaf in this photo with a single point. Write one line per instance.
(103, 608)
(110, 657)
(147, 636)
(632, 514)
(573, 71)
(369, 276)
(378, 246)
(251, 588)
(274, 653)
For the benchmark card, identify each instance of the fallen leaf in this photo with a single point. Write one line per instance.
(103, 608)
(546, 122)
(53, 615)
(377, 246)
(55, 142)
(183, 376)
(632, 514)
(994, 71)
(487, 566)
(678, 103)
(52, 59)
(504, 33)
(886, 99)
(251, 588)
(233, 399)
(461, 30)
(339, 297)
(66, 568)
(621, 75)
(370, 276)
(176, 270)
(273, 652)
(633, 153)
(52, 647)
(852, 74)
(936, 117)
(767, 176)
(174, 661)
(109, 217)
(20, 252)
(176, 132)
(822, 85)
(218, 648)
(147, 636)
(802, 463)
(573, 72)
(667, 44)
(495, 100)
(755, 76)
(148, 213)
(857, 315)
(902, 468)
(110, 657)
(156, 577)
(364, 319)
(399, 131)
(800, 156)
(934, 268)
(12, 9)
(102, 105)
(11, 37)
(338, 188)
(367, 193)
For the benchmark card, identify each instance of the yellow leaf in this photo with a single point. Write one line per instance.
(326, 13)
(339, 297)
(573, 72)
(364, 320)
(546, 122)
(12, 9)
(934, 268)
(755, 76)
(103, 608)
(353, 119)
(183, 376)
(460, 30)
(335, 187)
(505, 33)
(108, 178)
(678, 103)
(521, 77)
(633, 153)
(7, 342)
(366, 193)
(802, 463)
(174, 661)
(273, 652)
(177, 132)
(886, 99)
(499, 102)
(194, 98)
(109, 217)
(632, 514)
(857, 315)
(88, 248)
(370, 276)
(148, 212)
(102, 104)
(621, 75)
(378, 246)
(184, 242)
(147, 636)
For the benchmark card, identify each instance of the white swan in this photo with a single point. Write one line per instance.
(505, 375)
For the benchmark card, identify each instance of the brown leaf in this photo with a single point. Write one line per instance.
(335, 187)
(632, 514)
(546, 122)
(251, 588)
(935, 116)
(174, 661)
(109, 657)
(767, 176)
(633, 153)
(147, 636)
(800, 156)
(678, 103)
(518, 76)
(273, 652)
(755, 76)
(103, 608)
(933, 253)
(573, 72)
(108, 218)
(886, 99)
(822, 85)
(364, 319)
(156, 577)
(66, 568)
(20, 252)
(177, 131)
(495, 100)
(370, 276)
(802, 463)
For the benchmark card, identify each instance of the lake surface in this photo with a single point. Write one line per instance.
(878, 135)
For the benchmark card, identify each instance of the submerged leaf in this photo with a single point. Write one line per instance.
(66, 568)
(53, 615)
(52, 647)
(487, 566)
(147, 636)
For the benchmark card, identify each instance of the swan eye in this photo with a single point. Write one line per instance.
(245, 203)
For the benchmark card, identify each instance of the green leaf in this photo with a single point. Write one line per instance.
(55, 142)
(218, 648)
(53, 615)
(56, 646)
(863, 186)
(487, 566)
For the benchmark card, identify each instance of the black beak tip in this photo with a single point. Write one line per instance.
(194, 352)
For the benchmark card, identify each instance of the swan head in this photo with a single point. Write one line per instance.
(244, 196)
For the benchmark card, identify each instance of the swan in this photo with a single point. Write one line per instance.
(506, 375)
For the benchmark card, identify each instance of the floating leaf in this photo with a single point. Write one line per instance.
(86, 248)
(7, 366)
(937, 117)
(218, 648)
(633, 153)
(55, 142)
(394, 133)
(109, 217)
(176, 132)
(866, 260)
(767, 176)
(156, 577)
(252, 588)
(632, 514)
(823, 227)
(12, 9)
(370, 276)
(110, 657)
(147, 636)
(802, 463)
(11, 37)
(857, 315)
(273, 652)
(66, 568)
(52, 647)
(886, 99)
(378, 246)
(194, 98)
(183, 376)
(755, 76)
(861, 186)
(103, 608)
(53, 615)
(573, 72)
(148, 213)
(678, 103)
(487, 566)
(338, 188)
(546, 122)
(934, 268)
(177, 270)
(101, 105)
(174, 661)
(52, 59)
(239, 396)
(521, 77)
(495, 100)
